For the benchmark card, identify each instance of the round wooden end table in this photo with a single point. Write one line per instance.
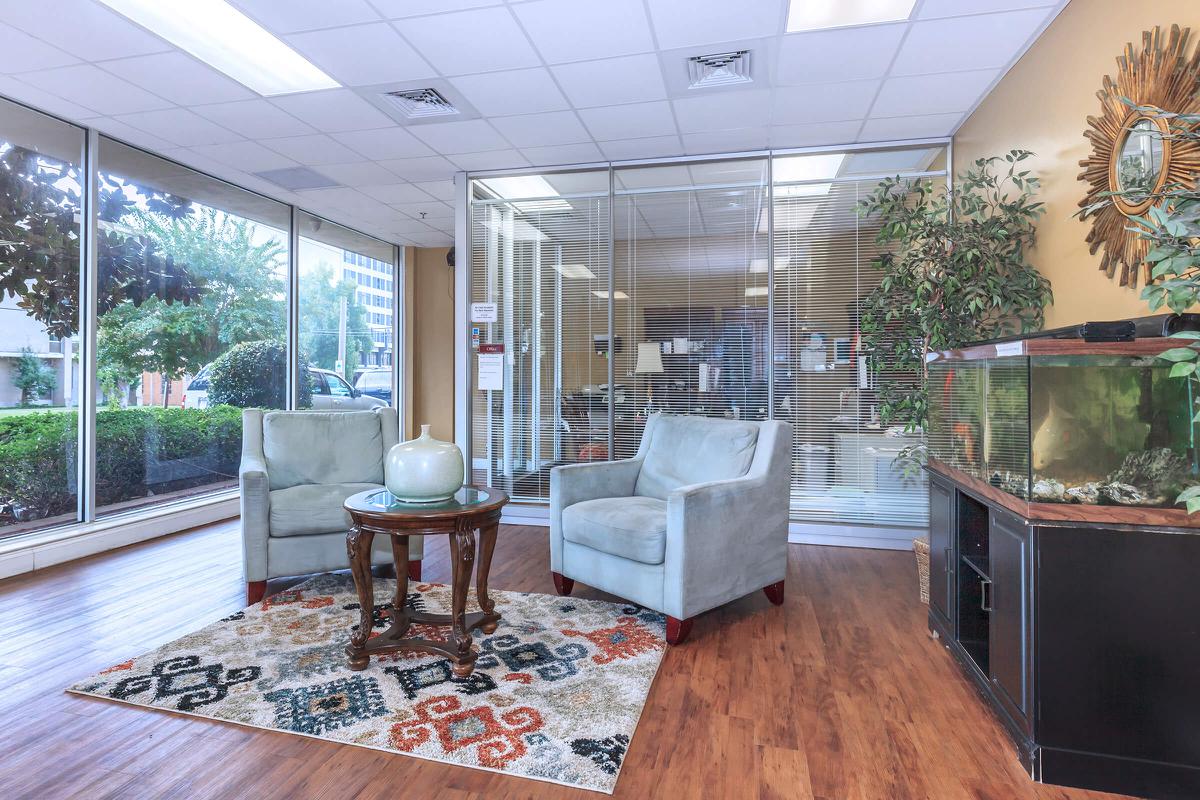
(378, 511)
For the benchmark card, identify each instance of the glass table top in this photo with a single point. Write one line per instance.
(382, 500)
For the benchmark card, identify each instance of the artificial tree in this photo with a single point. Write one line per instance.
(955, 270)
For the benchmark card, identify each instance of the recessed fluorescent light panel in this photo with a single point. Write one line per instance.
(756, 291)
(226, 39)
(535, 190)
(616, 295)
(578, 271)
(796, 176)
(813, 15)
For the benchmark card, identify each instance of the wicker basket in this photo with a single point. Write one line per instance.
(921, 548)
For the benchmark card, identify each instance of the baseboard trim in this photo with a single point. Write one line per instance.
(42, 549)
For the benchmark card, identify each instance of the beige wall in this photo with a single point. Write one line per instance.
(1042, 105)
(431, 315)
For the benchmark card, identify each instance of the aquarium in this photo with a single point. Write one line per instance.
(1066, 422)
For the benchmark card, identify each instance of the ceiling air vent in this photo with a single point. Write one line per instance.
(420, 103)
(719, 69)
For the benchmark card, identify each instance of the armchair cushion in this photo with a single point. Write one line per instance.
(323, 447)
(312, 508)
(682, 451)
(630, 527)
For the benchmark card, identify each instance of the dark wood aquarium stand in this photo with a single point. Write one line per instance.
(1083, 637)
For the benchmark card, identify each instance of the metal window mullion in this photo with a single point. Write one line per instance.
(612, 333)
(770, 287)
(292, 400)
(398, 318)
(85, 477)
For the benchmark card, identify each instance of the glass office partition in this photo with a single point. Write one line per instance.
(40, 193)
(540, 274)
(190, 325)
(690, 255)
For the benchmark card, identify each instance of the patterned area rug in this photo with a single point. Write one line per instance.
(555, 695)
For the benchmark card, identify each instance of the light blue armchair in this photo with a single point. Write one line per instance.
(298, 467)
(697, 518)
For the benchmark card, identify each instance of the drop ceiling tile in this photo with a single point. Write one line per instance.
(247, 156)
(179, 78)
(433, 210)
(307, 15)
(955, 8)
(823, 102)
(649, 147)
(397, 9)
(597, 30)
(967, 43)
(312, 150)
(43, 100)
(843, 54)
(362, 55)
(383, 143)
(420, 169)
(254, 119)
(563, 154)
(432, 240)
(522, 91)
(180, 126)
(723, 111)
(535, 130)
(490, 159)
(333, 110)
(634, 121)
(470, 136)
(83, 28)
(931, 94)
(131, 135)
(393, 193)
(94, 88)
(725, 141)
(439, 190)
(406, 227)
(813, 134)
(463, 42)
(338, 197)
(611, 81)
(686, 23)
(20, 52)
(920, 127)
(358, 173)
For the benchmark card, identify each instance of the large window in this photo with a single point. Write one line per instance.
(347, 317)
(193, 296)
(190, 326)
(39, 318)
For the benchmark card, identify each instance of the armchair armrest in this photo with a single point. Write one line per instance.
(728, 538)
(574, 483)
(256, 517)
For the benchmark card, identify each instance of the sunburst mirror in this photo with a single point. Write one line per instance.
(1132, 151)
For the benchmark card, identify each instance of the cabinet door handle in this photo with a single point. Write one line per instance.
(985, 594)
(949, 565)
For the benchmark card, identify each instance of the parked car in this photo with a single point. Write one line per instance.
(330, 392)
(376, 383)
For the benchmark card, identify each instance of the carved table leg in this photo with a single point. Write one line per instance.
(358, 549)
(487, 543)
(462, 560)
(399, 602)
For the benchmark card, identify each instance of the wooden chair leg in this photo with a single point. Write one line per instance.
(774, 593)
(562, 585)
(255, 592)
(414, 570)
(678, 629)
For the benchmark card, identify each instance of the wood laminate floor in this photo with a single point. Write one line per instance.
(840, 694)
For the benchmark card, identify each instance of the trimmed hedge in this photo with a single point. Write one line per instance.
(254, 375)
(139, 452)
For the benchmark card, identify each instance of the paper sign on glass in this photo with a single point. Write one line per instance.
(483, 312)
(491, 372)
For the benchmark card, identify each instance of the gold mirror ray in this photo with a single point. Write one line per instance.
(1132, 149)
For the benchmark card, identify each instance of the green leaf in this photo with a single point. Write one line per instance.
(1178, 354)
(1182, 369)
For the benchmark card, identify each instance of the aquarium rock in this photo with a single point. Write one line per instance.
(1048, 490)
(1088, 494)
(1123, 494)
(1158, 471)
